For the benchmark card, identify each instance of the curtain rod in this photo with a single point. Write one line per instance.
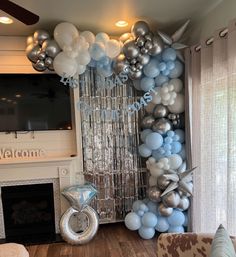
(210, 40)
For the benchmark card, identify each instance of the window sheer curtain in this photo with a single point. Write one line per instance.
(211, 92)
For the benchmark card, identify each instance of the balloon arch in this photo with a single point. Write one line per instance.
(155, 64)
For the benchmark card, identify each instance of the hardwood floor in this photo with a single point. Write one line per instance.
(112, 240)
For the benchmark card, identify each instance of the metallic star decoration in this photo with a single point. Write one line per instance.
(179, 180)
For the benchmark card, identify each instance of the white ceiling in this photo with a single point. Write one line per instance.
(100, 15)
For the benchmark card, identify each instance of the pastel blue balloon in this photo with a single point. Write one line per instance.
(168, 140)
(157, 155)
(154, 141)
(176, 147)
(167, 147)
(151, 69)
(146, 232)
(162, 224)
(170, 65)
(176, 219)
(144, 151)
(140, 213)
(144, 134)
(99, 65)
(158, 57)
(96, 51)
(161, 150)
(165, 72)
(170, 133)
(152, 207)
(149, 219)
(186, 219)
(160, 80)
(179, 229)
(143, 207)
(132, 221)
(169, 54)
(162, 66)
(147, 83)
(175, 138)
(168, 153)
(92, 63)
(177, 71)
(106, 72)
(136, 205)
(181, 134)
(105, 61)
(182, 153)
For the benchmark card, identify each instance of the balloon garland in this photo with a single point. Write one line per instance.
(155, 64)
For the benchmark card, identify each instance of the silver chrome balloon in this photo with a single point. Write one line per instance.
(143, 59)
(163, 182)
(140, 41)
(143, 50)
(140, 28)
(32, 52)
(48, 62)
(172, 199)
(158, 46)
(165, 211)
(87, 235)
(40, 36)
(147, 122)
(162, 126)
(51, 48)
(154, 194)
(184, 203)
(135, 75)
(130, 50)
(160, 111)
(148, 45)
(39, 66)
(41, 55)
(120, 65)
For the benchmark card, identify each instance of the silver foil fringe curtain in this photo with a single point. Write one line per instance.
(110, 146)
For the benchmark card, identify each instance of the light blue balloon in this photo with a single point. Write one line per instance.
(136, 205)
(151, 69)
(165, 72)
(147, 83)
(92, 63)
(162, 224)
(161, 150)
(168, 140)
(176, 147)
(152, 207)
(149, 219)
(144, 151)
(143, 207)
(181, 134)
(105, 61)
(182, 153)
(177, 71)
(170, 133)
(176, 219)
(157, 155)
(168, 153)
(132, 221)
(179, 229)
(186, 219)
(167, 147)
(154, 140)
(140, 213)
(96, 51)
(170, 65)
(144, 134)
(160, 80)
(162, 66)
(169, 54)
(146, 232)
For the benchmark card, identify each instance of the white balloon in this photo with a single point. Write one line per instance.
(152, 181)
(83, 57)
(112, 48)
(89, 36)
(81, 69)
(102, 37)
(175, 161)
(178, 106)
(64, 65)
(177, 83)
(65, 33)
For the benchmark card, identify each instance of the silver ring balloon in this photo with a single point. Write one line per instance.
(84, 237)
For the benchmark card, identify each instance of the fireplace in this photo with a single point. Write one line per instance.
(28, 213)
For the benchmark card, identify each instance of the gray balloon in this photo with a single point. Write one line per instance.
(149, 36)
(171, 199)
(41, 55)
(32, 52)
(184, 203)
(51, 48)
(163, 182)
(160, 111)
(148, 45)
(130, 50)
(120, 66)
(154, 194)
(39, 66)
(133, 68)
(143, 59)
(162, 126)
(133, 61)
(87, 235)
(139, 66)
(165, 211)
(140, 28)
(158, 46)
(140, 41)
(40, 36)
(143, 50)
(178, 120)
(48, 61)
(147, 122)
(135, 75)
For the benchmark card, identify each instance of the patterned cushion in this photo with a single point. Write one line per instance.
(185, 245)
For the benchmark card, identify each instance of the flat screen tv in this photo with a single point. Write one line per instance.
(34, 102)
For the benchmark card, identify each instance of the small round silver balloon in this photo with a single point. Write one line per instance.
(140, 41)
(120, 66)
(149, 36)
(154, 194)
(48, 61)
(130, 50)
(135, 75)
(162, 126)
(158, 46)
(160, 111)
(140, 28)
(133, 61)
(39, 66)
(143, 50)
(32, 52)
(147, 122)
(143, 59)
(51, 48)
(148, 45)
(139, 66)
(133, 68)
(40, 36)
(41, 55)
(171, 199)
(163, 182)
(165, 211)
(184, 203)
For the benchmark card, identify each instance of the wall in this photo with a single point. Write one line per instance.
(217, 18)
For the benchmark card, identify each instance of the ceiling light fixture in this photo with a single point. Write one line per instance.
(121, 24)
(18, 95)
(6, 20)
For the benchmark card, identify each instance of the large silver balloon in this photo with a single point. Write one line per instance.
(143, 59)
(120, 65)
(154, 194)
(158, 46)
(40, 36)
(140, 28)
(165, 211)
(32, 52)
(172, 199)
(51, 48)
(162, 126)
(130, 49)
(39, 66)
(87, 235)
(184, 203)
(148, 45)
(160, 111)
(147, 122)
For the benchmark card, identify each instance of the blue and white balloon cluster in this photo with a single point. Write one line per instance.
(146, 218)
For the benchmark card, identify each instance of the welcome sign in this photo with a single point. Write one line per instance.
(10, 153)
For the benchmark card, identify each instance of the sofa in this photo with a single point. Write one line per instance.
(13, 250)
(185, 244)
